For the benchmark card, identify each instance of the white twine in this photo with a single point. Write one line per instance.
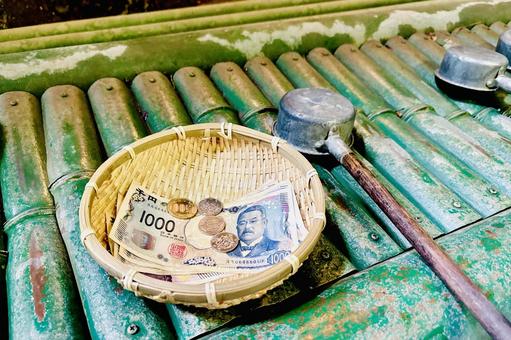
(320, 216)
(130, 151)
(179, 131)
(92, 185)
(222, 133)
(311, 173)
(86, 232)
(128, 283)
(209, 289)
(294, 262)
(275, 143)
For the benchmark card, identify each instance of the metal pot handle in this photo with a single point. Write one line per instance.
(504, 82)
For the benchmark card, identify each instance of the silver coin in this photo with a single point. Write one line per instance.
(210, 206)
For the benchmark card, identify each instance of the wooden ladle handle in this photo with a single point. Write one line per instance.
(445, 268)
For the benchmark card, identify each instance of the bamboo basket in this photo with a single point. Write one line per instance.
(225, 161)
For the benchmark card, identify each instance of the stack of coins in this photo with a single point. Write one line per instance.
(214, 225)
(210, 224)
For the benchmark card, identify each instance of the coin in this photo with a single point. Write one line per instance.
(182, 208)
(212, 225)
(224, 242)
(210, 206)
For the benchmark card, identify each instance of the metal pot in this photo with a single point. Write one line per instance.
(474, 68)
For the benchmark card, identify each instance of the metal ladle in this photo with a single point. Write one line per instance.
(474, 68)
(319, 122)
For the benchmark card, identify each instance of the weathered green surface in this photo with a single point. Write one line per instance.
(486, 33)
(416, 183)
(438, 130)
(69, 129)
(178, 25)
(143, 18)
(22, 165)
(112, 103)
(68, 150)
(254, 110)
(499, 147)
(154, 93)
(365, 242)
(272, 83)
(441, 205)
(299, 73)
(470, 38)
(425, 68)
(358, 194)
(41, 293)
(204, 102)
(37, 70)
(402, 297)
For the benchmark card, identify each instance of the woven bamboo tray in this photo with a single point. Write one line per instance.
(205, 160)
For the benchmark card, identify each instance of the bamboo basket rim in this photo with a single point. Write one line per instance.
(210, 295)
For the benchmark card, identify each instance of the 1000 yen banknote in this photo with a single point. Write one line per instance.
(260, 231)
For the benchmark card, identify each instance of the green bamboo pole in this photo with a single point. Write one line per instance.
(254, 110)
(155, 94)
(38, 70)
(144, 18)
(41, 293)
(203, 100)
(178, 24)
(112, 101)
(73, 154)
